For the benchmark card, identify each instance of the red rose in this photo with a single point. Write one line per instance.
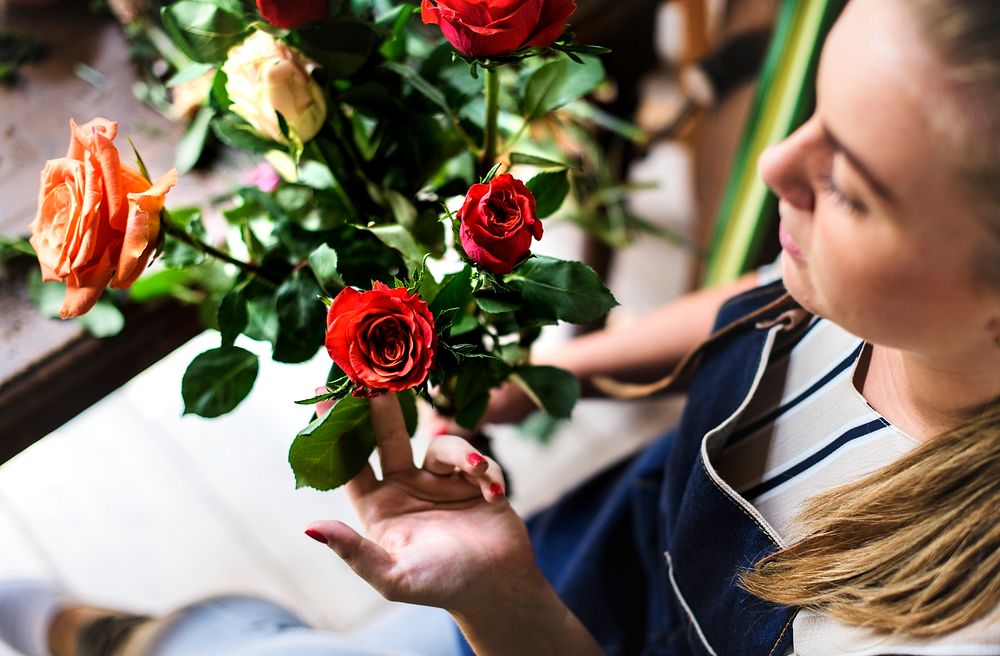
(384, 339)
(498, 222)
(289, 14)
(487, 28)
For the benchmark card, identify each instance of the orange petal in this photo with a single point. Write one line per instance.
(142, 230)
(84, 218)
(83, 288)
(81, 137)
(111, 175)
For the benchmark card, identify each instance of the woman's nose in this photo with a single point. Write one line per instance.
(783, 166)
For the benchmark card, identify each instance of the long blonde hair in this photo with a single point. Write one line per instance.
(915, 548)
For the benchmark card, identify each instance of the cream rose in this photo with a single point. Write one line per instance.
(266, 77)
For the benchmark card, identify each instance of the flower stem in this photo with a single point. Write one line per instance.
(492, 79)
(181, 235)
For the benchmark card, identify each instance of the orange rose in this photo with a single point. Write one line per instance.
(98, 220)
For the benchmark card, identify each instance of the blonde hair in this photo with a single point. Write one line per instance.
(965, 35)
(915, 548)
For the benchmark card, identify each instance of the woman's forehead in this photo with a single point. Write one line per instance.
(876, 81)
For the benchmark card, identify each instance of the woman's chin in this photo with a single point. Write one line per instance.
(793, 276)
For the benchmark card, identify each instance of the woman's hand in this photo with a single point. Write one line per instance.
(441, 535)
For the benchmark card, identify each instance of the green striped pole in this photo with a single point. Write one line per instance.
(785, 97)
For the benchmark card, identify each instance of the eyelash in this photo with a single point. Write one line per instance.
(852, 205)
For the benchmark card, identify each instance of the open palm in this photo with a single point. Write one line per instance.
(441, 535)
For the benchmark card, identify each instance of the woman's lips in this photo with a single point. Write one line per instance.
(787, 243)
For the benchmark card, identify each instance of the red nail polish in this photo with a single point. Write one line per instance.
(315, 535)
(474, 459)
(496, 490)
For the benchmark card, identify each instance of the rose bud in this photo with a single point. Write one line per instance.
(383, 339)
(98, 220)
(289, 14)
(487, 28)
(266, 77)
(498, 221)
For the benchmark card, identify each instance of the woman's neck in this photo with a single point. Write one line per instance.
(924, 396)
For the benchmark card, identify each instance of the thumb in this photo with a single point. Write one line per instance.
(368, 560)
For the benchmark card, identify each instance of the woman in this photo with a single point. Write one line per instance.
(890, 226)
(879, 416)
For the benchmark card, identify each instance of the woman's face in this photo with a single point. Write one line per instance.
(876, 233)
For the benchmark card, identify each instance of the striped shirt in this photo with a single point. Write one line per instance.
(807, 430)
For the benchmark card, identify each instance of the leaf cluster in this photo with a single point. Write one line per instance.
(370, 197)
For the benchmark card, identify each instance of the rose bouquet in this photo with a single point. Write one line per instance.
(411, 157)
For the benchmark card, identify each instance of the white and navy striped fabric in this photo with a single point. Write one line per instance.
(808, 428)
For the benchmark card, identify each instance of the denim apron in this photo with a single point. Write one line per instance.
(648, 553)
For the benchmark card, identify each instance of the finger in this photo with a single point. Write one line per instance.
(362, 483)
(391, 436)
(368, 560)
(449, 453)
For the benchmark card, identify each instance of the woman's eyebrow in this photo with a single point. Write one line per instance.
(838, 146)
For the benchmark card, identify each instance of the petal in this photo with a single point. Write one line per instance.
(84, 287)
(429, 13)
(142, 229)
(552, 22)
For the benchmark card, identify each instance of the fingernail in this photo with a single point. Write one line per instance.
(475, 459)
(496, 490)
(315, 535)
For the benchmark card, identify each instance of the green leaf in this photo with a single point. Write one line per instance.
(396, 19)
(232, 315)
(323, 262)
(491, 173)
(217, 380)
(456, 292)
(558, 83)
(425, 88)
(472, 389)
(262, 320)
(543, 162)
(472, 396)
(549, 189)
(11, 247)
(138, 161)
(103, 320)
(47, 296)
(560, 290)
(218, 97)
(332, 449)
(193, 142)
(236, 132)
(552, 389)
(341, 47)
(399, 238)
(187, 74)
(158, 283)
(177, 254)
(204, 30)
(497, 304)
(301, 319)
